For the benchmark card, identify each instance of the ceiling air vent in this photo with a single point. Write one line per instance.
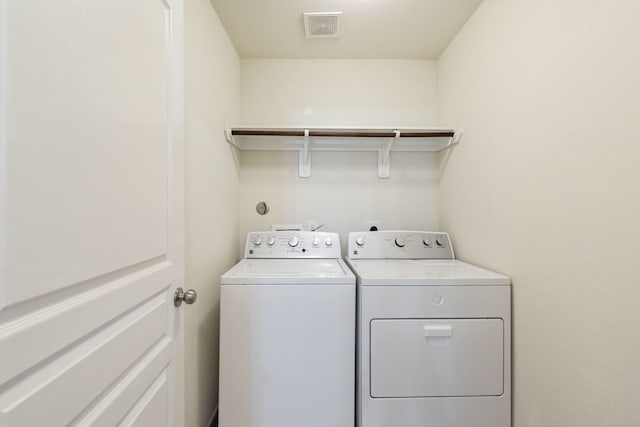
(321, 24)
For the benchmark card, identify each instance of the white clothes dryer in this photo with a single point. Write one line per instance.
(433, 334)
(287, 334)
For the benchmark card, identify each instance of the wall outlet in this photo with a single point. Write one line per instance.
(374, 225)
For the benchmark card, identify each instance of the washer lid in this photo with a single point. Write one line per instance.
(288, 271)
(423, 272)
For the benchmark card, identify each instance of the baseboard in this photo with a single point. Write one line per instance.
(213, 422)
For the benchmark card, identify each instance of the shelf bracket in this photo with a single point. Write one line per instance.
(228, 132)
(455, 138)
(304, 162)
(384, 157)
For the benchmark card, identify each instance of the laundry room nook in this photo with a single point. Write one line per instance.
(306, 213)
(340, 93)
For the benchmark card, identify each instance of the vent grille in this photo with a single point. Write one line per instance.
(322, 24)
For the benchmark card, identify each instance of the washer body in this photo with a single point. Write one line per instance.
(287, 334)
(433, 334)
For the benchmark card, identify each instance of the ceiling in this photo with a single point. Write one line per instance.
(393, 29)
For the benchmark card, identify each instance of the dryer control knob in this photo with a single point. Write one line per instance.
(400, 242)
(360, 241)
(316, 241)
(271, 240)
(427, 241)
(328, 242)
(294, 241)
(440, 241)
(257, 241)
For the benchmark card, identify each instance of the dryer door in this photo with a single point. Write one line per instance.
(436, 357)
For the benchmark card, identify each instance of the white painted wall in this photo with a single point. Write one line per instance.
(212, 90)
(545, 186)
(344, 190)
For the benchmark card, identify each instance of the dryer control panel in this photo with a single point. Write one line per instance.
(399, 244)
(292, 244)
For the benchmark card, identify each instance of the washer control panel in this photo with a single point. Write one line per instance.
(399, 244)
(292, 244)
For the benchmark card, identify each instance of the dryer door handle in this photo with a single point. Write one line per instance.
(435, 331)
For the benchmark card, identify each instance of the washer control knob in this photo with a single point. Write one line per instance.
(316, 241)
(360, 241)
(328, 242)
(440, 241)
(427, 241)
(257, 241)
(271, 240)
(400, 242)
(294, 241)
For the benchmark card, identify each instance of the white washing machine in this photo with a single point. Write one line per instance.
(287, 334)
(433, 334)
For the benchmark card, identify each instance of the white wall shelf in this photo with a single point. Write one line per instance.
(307, 139)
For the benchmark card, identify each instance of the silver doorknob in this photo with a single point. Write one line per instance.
(189, 297)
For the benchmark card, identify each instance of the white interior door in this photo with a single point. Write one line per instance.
(91, 212)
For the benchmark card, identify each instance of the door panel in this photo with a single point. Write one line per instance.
(152, 408)
(91, 204)
(26, 338)
(86, 167)
(117, 403)
(81, 373)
